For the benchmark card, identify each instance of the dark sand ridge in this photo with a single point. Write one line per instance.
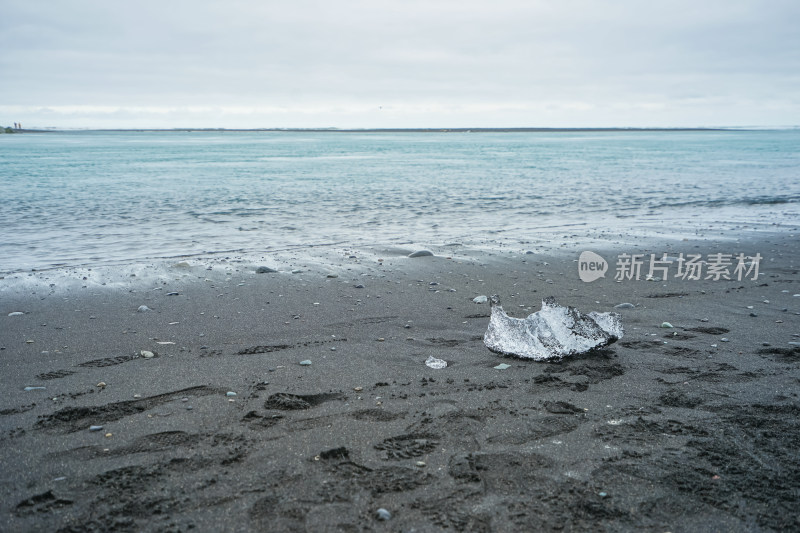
(670, 429)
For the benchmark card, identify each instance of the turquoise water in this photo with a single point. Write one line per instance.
(77, 198)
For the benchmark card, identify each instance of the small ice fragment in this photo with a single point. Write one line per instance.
(230, 393)
(550, 333)
(16, 313)
(435, 363)
(143, 309)
(480, 299)
(383, 514)
(306, 362)
(421, 253)
(95, 428)
(28, 389)
(666, 325)
(502, 366)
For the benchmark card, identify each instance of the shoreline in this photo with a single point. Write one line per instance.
(653, 229)
(689, 427)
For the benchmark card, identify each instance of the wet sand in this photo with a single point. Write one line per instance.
(693, 427)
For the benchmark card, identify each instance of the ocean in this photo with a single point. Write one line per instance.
(91, 198)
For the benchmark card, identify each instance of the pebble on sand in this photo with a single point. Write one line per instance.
(16, 313)
(265, 270)
(666, 325)
(28, 389)
(482, 299)
(383, 514)
(143, 309)
(147, 354)
(306, 362)
(95, 428)
(502, 366)
(421, 253)
(230, 393)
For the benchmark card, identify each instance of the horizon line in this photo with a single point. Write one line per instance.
(408, 130)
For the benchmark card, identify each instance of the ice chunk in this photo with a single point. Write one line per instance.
(435, 363)
(551, 333)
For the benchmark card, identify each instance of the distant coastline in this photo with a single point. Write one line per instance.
(383, 130)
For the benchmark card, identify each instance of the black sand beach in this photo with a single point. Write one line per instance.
(689, 428)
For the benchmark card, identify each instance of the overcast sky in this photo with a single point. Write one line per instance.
(409, 63)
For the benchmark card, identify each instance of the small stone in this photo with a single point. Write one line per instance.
(765, 344)
(421, 253)
(625, 305)
(753, 314)
(383, 514)
(381, 339)
(173, 293)
(407, 326)
(265, 270)
(482, 299)
(29, 341)
(102, 385)
(147, 354)
(502, 366)
(95, 428)
(332, 276)
(421, 464)
(358, 389)
(108, 435)
(602, 494)
(359, 286)
(724, 339)
(230, 394)
(28, 389)
(307, 362)
(666, 325)
(16, 313)
(143, 309)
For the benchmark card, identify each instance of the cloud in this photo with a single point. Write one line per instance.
(534, 60)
